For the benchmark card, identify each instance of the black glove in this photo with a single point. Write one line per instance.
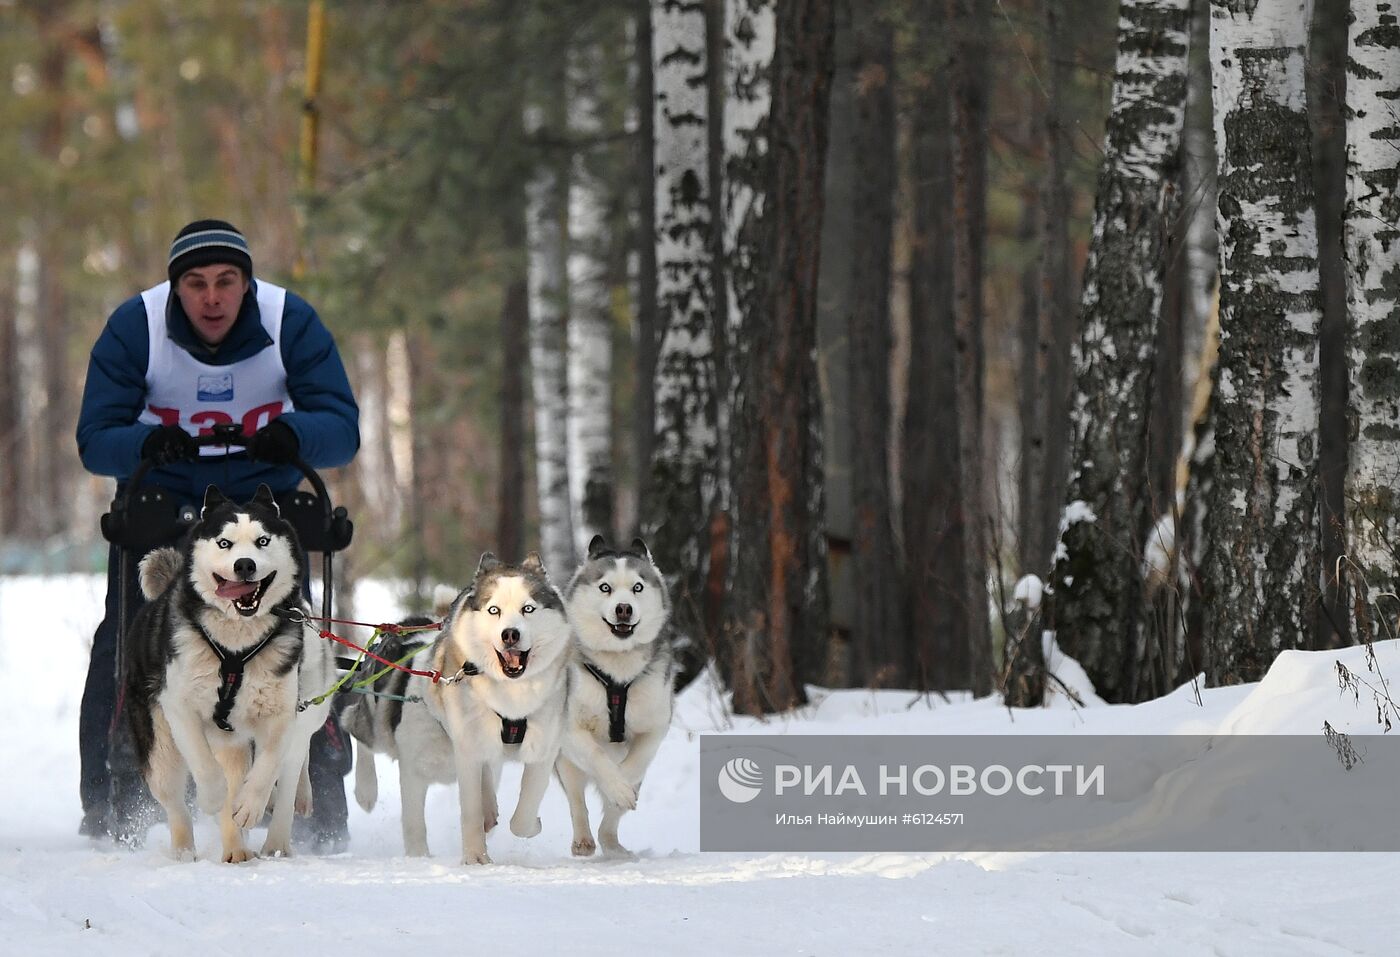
(275, 443)
(169, 444)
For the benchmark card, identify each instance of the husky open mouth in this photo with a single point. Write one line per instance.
(621, 629)
(513, 662)
(246, 596)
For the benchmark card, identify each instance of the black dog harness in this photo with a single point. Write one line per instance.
(617, 702)
(231, 673)
(512, 729)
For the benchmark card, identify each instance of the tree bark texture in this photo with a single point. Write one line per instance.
(683, 476)
(1097, 578)
(931, 479)
(970, 28)
(590, 352)
(1260, 524)
(777, 621)
(546, 217)
(878, 633)
(1373, 304)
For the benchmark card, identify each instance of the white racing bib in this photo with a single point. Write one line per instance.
(181, 390)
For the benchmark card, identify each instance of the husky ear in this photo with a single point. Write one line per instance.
(597, 545)
(488, 562)
(213, 498)
(533, 563)
(263, 496)
(640, 547)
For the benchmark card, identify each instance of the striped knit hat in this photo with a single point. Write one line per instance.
(208, 241)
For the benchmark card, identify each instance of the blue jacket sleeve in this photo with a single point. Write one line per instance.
(109, 435)
(326, 419)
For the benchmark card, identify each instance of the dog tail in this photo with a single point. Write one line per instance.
(443, 597)
(158, 570)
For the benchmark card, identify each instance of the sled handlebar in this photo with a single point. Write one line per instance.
(230, 435)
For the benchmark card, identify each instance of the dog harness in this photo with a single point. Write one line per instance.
(231, 674)
(617, 701)
(512, 729)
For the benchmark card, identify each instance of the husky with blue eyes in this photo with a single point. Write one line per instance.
(620, 694)
(213, 671)
(503, 653)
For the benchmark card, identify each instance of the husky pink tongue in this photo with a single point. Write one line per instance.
(513, 659)
(235, 589)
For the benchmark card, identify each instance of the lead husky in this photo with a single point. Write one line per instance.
(504, 648)
(210, 668)
(620, 698)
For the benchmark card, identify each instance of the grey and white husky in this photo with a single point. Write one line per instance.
(620, 695)
(504, 649)
(213, 674)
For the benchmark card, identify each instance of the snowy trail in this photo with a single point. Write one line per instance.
(61, 895)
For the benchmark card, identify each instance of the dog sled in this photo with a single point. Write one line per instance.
(143, 517)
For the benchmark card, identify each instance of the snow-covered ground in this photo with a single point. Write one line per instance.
(60, 894)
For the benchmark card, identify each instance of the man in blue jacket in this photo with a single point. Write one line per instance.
(210, 346)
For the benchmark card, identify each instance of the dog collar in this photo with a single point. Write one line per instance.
(617, 701)
(230, 673)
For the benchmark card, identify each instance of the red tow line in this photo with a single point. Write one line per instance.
(299, 616)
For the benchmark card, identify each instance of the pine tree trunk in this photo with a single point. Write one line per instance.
(546, 215)
(1097, 581)
(777, 622)
(10, 403)
(643, 244)
(684, 468)
(878, 634)
(835, 305)
(969, 114)
(1327, 83)
(515, 333)
(1261, 551)
(931, 480)
(590, 315)
(1373, 299)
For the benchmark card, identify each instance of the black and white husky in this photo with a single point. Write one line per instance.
(620, 697)
(213, 675)
(504, 651)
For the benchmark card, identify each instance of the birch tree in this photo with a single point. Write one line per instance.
(589, 333)
(1373, 304)
(545, 216)
(1097, 578)
(1260, 559)
(684, 463)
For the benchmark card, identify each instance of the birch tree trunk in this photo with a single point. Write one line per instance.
(684, 461)
(969, 112)
(1373, 300)
(545, 217)
(590, 315)
(878, 634)
(1097, 579)
(777, 620)
(1261, 536)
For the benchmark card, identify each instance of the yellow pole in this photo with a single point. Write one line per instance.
(306, 178)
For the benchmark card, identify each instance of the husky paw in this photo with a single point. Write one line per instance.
(476, 857)
(584, 847)
(522, 828)
(238, 855)
(248, 808)
(488, 822)
(279, 847)
(210, 794)
(619, 791)
(365, 797)
(616, 852)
